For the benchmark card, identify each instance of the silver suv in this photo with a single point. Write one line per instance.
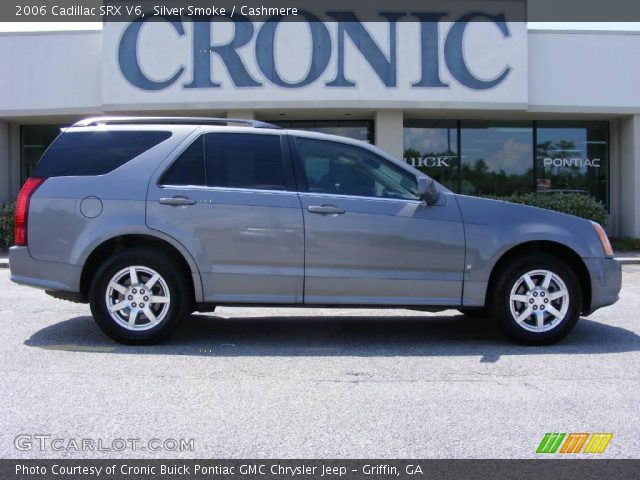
(150, 219)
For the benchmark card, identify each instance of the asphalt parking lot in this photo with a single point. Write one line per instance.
(251, 383)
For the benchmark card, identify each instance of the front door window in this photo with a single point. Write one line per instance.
(340, 169)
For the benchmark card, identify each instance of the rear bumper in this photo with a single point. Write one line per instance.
(41, 274)
(606, 282)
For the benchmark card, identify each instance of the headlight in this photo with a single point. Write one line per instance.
(604, 240)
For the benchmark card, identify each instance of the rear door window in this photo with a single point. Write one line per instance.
(244, 160)
(95, 152)
(188, 169)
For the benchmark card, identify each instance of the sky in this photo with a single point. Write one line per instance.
(624, 26)
(43, 26)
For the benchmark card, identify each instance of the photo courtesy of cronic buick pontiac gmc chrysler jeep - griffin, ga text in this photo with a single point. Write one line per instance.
(150, 219)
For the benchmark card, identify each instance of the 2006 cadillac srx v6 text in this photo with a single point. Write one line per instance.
(150, 219)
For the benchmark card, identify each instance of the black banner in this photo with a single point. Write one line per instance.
(321, 469)
(365, 10)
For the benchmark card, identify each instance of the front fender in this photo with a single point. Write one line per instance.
(492, 228)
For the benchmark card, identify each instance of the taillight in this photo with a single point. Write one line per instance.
(22, 208)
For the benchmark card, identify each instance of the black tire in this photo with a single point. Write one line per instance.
(170, 314)
(557, 327)
(480, 313)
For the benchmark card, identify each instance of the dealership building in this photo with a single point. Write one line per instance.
(485, 107)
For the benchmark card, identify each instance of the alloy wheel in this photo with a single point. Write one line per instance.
(137, 298)
(539, 301)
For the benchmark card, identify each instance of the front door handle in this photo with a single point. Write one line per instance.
(177, 201)
(326, 209)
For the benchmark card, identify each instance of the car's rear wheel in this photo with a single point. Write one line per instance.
(139, 296)
(537, 300)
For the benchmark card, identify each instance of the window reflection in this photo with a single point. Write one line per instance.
(432, 147)
(497, 158)
(340, 169)
(572, 157)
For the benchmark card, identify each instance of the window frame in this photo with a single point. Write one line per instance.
(287, 168)
(301, 178)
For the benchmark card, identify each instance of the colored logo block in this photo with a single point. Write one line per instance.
(574, 442)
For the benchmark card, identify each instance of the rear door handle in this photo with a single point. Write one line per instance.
(326, 209)
(177, 201)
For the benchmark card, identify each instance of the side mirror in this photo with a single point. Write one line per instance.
(423, 184)
(427, 190)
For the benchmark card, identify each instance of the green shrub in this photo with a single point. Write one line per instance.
(572, 203)
(625, 244)
(6, 224)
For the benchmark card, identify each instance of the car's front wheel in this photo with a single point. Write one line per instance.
(537, 299)
(139, 296)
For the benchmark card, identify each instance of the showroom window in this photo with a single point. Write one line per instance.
(356, 129)
(432, 147)
(497, 158)
(34, 140)
(573, 157)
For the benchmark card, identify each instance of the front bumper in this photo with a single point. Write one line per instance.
(42, 274)
(606, 282)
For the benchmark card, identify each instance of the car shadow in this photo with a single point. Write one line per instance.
(377, 336)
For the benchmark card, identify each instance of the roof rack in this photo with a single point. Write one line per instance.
(94, 121)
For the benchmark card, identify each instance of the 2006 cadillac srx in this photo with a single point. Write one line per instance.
(150, 219)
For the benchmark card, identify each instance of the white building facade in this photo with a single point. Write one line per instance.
(485, 107)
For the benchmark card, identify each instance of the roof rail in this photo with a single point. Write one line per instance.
(94, 121)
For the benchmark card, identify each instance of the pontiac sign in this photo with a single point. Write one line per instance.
(421, 58)
(572, 162)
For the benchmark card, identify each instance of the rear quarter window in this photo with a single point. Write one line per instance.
(95, 153)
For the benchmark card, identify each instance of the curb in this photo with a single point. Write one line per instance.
(628, 261)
